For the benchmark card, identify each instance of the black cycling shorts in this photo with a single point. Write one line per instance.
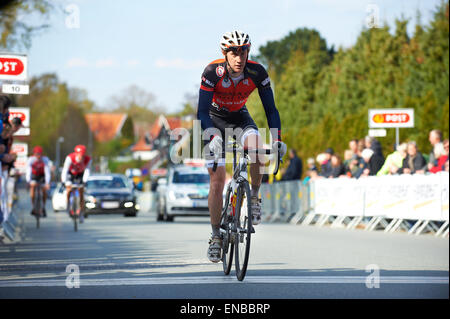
(229, 124)
(75, 179)
(38, 178)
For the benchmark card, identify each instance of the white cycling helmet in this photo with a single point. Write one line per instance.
(234, 39)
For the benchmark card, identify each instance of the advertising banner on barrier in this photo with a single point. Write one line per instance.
(402, 196)
(339, 197)
(444, 195)
(424, 198)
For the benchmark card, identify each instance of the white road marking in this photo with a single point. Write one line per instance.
(226, 280)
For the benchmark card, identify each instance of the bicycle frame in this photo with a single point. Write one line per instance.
(74, 195)
(234, 231)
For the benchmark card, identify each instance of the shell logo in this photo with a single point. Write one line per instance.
(378, 118)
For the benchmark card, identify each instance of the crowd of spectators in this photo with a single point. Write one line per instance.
(365, 158)
(7, 158)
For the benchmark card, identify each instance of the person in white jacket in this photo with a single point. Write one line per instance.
(38, 171)
(76, 170)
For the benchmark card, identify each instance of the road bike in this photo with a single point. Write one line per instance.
(236, 219)
(74, 205)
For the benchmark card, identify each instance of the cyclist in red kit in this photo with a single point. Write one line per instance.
(38, 171)
(76, 170)
(226, 85)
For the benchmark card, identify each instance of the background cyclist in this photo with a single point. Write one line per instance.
(38, 171)
(76, 170)
(225, 87)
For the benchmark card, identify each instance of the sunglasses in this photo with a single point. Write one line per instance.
(238, 47)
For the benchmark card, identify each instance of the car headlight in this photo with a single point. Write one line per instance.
(175, 195)
(128, 204)
(91, 199)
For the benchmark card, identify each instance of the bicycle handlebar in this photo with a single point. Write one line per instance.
(265, 151)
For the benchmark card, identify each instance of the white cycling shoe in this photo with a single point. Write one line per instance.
(256, 210)
(215, 249)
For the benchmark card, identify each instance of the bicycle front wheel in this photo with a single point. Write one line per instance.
(243, 226)
(74, 209)
(226, 226)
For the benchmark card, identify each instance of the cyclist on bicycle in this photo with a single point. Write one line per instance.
(76, 170)
(225, 87)
(38, 171)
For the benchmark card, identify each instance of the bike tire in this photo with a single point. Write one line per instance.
(227, 242)
(243, 227)
(37, 206)
(74, 211)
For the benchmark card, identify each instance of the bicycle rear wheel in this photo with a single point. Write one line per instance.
(243, 224)
(37, 206)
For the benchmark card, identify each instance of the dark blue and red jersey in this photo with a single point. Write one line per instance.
(218, 90)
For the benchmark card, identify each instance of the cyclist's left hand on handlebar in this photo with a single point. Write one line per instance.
(215, 145)
(279, 147)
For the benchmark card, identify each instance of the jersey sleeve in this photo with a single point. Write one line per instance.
(28, 170)
(209, 78)
(47, 170)
(65, 169)
(87, 171)
(262, 78)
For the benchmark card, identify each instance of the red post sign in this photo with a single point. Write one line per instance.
(13, 67)
(385, 118)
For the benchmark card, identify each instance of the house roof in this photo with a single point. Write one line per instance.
(141, 146)
(105, 126)
(169, 123)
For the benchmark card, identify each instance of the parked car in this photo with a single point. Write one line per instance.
(59, 198)
(183, 193)
(110, 194)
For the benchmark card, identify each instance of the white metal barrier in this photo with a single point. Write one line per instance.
(413, 203)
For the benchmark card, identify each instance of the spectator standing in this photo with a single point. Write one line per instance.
(441, 155)
(337, 168)
(311, 164)
(353, 145)
(394, 161)
(373, 163)
(295, 169)
(434, 137)
(414, 161)
(325, 167)
(355, 165)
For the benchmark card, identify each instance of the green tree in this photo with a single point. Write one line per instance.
(15, 29)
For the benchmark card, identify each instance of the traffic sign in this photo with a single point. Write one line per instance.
(388, 118)
(13, 67)
(24, 114)
(15, 89)
(21, 149)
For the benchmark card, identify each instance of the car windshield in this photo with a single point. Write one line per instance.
(186, 178)
(112, 182)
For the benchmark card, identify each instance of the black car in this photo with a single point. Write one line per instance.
(110, 194)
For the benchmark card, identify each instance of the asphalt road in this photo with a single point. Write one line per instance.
(120, 257)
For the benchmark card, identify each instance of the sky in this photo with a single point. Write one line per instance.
(105, 46)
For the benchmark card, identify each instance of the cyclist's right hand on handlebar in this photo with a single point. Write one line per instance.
(279, 147)
(215, 145)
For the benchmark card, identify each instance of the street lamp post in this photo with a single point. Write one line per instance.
(58, 155)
